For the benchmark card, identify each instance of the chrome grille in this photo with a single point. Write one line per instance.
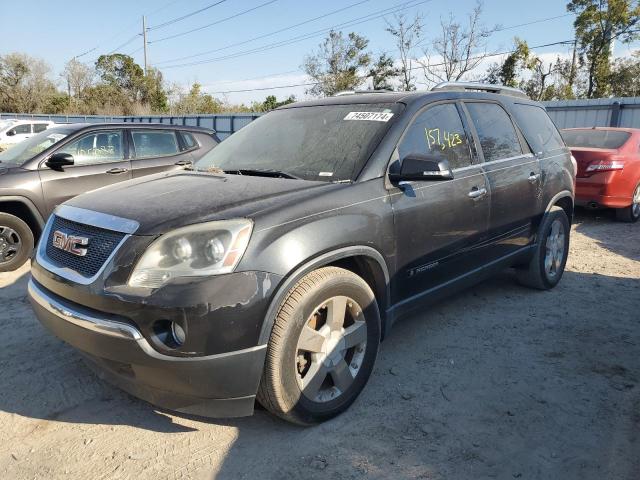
(101, 245)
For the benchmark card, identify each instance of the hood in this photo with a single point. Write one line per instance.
(165, 201)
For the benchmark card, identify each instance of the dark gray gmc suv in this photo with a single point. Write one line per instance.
(272, 270)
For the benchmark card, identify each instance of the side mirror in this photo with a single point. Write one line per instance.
(58, 161)
(11, 133)
(422, 167)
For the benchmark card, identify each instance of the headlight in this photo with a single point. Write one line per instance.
(209, 248)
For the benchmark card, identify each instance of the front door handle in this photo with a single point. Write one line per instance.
(116, 171)
(477, 193)
(183, 163)
(533, 177)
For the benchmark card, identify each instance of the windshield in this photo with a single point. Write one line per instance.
(32, 146)
(590, 138)
(328, 142)
(5, 124)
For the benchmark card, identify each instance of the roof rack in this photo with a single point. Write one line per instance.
(480, 87)
(359, 92)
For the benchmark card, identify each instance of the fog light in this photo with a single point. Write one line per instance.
(179, 335)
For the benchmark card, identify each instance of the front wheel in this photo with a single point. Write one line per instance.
(630, 214)
(16, 242)
(545, 269)
(322, 347)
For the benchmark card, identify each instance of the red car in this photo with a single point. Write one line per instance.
(608, 169)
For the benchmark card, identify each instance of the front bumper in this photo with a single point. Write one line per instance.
(221, 385)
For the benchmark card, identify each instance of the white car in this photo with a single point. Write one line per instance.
(14, 131)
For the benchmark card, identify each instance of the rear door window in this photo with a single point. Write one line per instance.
(498, 137)
(539, 130)
(438, 132)
(158, 143)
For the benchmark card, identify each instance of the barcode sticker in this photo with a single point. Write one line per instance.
(370, 116)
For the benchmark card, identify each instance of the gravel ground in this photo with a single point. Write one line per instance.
(496, 382)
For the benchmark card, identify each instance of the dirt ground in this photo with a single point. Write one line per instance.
(496, 382)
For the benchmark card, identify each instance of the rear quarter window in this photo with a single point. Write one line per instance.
(538, 129)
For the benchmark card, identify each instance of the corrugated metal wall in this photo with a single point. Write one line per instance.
(605, 112)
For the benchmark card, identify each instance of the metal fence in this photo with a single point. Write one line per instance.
(605, 112)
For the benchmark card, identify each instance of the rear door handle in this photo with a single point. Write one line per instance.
(116, 171)
(477, 193)
(533, 177)
(183, 163)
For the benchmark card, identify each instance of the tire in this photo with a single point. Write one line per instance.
(544, 272)
(630, 214)
(292, 385)
(16, 242)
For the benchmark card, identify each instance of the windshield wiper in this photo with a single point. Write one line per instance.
(263, 173)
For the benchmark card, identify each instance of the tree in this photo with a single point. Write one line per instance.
(78, 77)
(196, 102)
(458, 50)
(598, 24)
(625, 76)
(338, 63)
(123, 73)
(407, 35)
(507, 73)
(24, 83)
(271, 103)
(382, 72)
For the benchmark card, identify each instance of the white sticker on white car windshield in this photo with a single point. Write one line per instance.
(371, 116)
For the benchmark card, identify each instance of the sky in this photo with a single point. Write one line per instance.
(60, 30)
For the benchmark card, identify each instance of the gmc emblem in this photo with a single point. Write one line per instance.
(70, 243)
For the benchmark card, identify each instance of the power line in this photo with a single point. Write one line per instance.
(113, 37)
(135, 37)
(563, 42)
(533, 22)
(177, 19)
(214, 23)
(299, 38)
(264, 35)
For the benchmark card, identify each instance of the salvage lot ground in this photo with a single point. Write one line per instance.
(496, 382)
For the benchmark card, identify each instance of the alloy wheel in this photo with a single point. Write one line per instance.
(555, 249)
(331, 349)
(10, 244)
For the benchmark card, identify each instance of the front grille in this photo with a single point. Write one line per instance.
(101, 245)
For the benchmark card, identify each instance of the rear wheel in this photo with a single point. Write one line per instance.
(16, 242)
(322, 348)
(545, 269)
(630, 214)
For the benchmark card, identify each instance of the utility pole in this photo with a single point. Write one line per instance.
(144, 39)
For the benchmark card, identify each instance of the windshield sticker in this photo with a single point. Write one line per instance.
(370, 116)
(325, 174)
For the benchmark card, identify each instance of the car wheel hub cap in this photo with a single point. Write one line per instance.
(555, 247)
(331, 349)
(10, 244)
